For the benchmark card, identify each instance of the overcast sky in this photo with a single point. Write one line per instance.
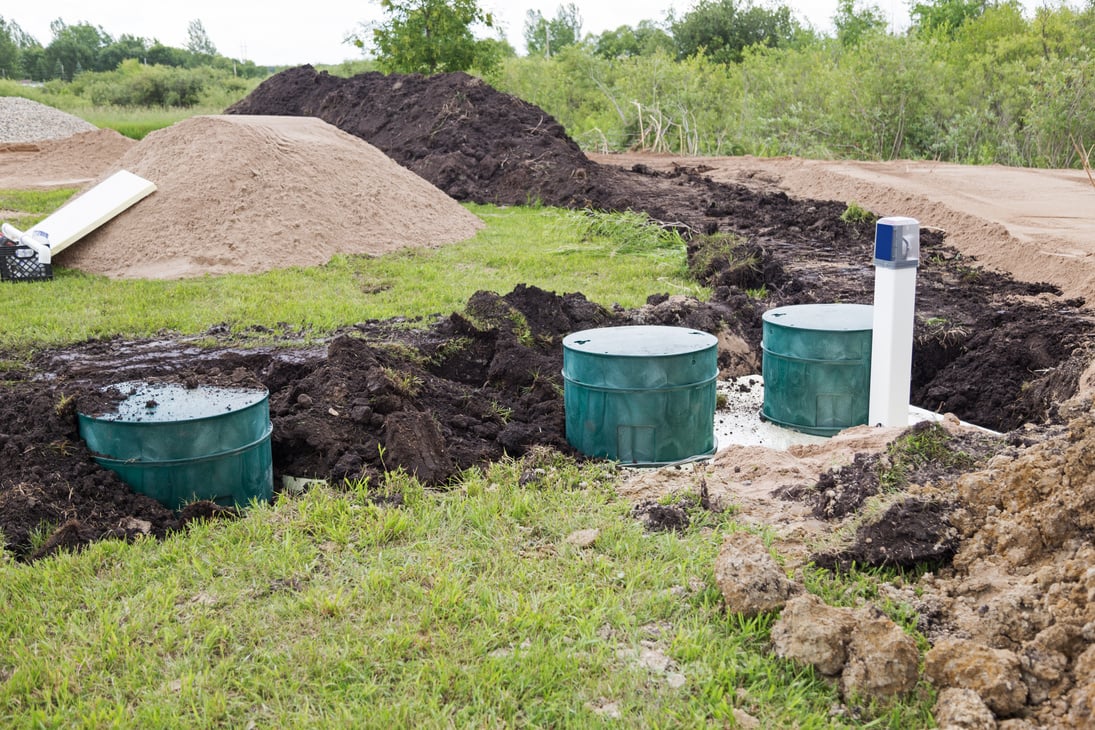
(313, 31)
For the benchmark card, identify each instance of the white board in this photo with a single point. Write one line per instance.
(83, 214)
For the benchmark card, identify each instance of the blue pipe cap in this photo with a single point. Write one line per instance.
(897, 243)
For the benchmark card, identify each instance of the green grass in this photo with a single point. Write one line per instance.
(24, 208)
(465, 608)
(136, 122)
(542, 247)
(928, 444)
(133, 122)
(856, 213)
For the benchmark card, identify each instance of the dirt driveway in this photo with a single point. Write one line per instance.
(1038, 225)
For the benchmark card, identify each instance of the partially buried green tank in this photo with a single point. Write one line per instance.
(816, 363)
(180, 444)
(641, 395)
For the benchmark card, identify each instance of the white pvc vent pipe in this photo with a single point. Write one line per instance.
(896, 257)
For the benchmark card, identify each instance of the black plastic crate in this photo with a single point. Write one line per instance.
(20, 263)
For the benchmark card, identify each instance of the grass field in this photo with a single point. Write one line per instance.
(471, 606)
(616, 259)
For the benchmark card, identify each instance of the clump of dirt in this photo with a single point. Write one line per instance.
(899, 530)
(249, 194)
(922, 453)
(453, 129)
(841, 491)
(1020, 582)
(463, 393)
(910, 532)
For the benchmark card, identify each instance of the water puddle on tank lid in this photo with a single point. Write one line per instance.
(169, 402)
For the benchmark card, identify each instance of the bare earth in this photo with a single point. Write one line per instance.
(1038, 225)
(71, 162)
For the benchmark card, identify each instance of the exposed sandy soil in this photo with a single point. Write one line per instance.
(70, 162)
(1035, 224)
(247, 194)
(1006, 536)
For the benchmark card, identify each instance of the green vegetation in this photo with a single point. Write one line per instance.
(856, 213)
(724, 30)
(927, 445)
(24, 208)
(969, 82)
(544, 37)
(80, 48)
(465, 608)
(431, 36)
(997, 88)
(635, 233)
(519, 245)
(859, 585)
(726, 258)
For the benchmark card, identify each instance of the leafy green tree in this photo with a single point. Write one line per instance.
(625, 41)
(545, 37)
(126, 46)
(75, 48)
(160, 55)
(945, 17)
(9, 51)
(21, 56)
(854, 24)
(431, 36)
(32, 59)
(723, 29)
(1085, 23)
(198, 41)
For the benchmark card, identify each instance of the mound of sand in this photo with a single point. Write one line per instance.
(69, 162)
(245, 194)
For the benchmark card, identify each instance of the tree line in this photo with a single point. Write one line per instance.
(81, 47)
(971, 81)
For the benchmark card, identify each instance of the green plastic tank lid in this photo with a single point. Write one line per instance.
(639, 341)
(173, 402)
(823, 317)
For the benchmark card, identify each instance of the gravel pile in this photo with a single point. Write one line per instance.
(24, 120)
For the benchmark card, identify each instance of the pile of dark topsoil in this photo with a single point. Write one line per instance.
(473, 386)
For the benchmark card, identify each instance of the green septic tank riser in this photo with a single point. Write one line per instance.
(178, 444)
(816, 363)
(641, 395)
